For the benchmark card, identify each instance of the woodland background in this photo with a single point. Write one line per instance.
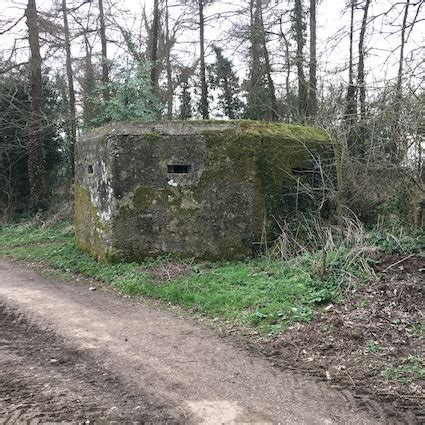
(67, 66)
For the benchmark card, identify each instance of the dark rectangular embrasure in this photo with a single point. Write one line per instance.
(179, 169)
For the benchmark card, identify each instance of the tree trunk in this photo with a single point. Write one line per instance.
(255, 102)
(396, 136)
(299, 38)
(361, 72)
(351, 100)
(268, 70)
(154, 47)
(170, 91)
(89, 86)
(72, 113)
(255, 46)
(312, 89)
(204, 88)
(288, 71)
(36, 171)
(105, 70)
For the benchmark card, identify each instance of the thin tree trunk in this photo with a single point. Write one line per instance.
(71, 93)
(255, 48)
(170, 91)
(351, 101)
(399, 89)
(361, 71)
(36, 170)
(154, 51)
(89, 85)
(312, 89)
(204, 88)
(105, 70)
(299, 38)
(268, 70)
(288, 72)
(256, 107)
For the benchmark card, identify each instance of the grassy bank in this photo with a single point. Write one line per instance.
(265, 293)
(367, 332)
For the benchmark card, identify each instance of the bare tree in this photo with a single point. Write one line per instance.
(71, 91)
(361, 83)
(105, 66)
(267, 66)
(86, 75)
(312, 87)
(88, 84)
(351, 102)
(204, 107)
(168, 44)
(299, 38)
(36, 169)
(399, 89)
(154, 46)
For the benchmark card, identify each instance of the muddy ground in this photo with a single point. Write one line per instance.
(371, 343)
(44, 380)
(75, 355)
(68, 354)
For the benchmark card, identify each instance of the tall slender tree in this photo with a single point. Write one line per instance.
(72, 118)
(36, 167)
(103, 41)
(399, 88)
(312, 87)
(204, 106)
(351, 100)
(299, 29)
(154, 46)
(168, 68)
(288, 65)
(261, 100)
(361, 82)
(273, 115)
(255, 66)
(89, 85)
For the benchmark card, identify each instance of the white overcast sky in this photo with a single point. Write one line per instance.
(332, 23)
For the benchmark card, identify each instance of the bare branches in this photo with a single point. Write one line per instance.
(2, 32)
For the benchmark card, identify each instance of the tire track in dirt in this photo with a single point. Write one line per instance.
(128, 349)
(44, 380)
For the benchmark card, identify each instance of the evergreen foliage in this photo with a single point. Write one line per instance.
(224, 78)
(130, 96)
(185, 102)
(257, 99)
(14, 115)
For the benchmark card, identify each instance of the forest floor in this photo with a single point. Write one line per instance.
(372, 343)
(330, 350)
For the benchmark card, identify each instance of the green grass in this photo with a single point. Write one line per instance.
(406, 373)
(264, 293)
(388, 243)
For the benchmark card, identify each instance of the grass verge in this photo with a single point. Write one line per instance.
(265, 293)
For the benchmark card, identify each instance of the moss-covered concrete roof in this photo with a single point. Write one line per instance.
(262, 128)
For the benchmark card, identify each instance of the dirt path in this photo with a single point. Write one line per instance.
(68, 354)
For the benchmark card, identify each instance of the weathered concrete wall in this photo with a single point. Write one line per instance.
(133, 205)
(94, 199)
